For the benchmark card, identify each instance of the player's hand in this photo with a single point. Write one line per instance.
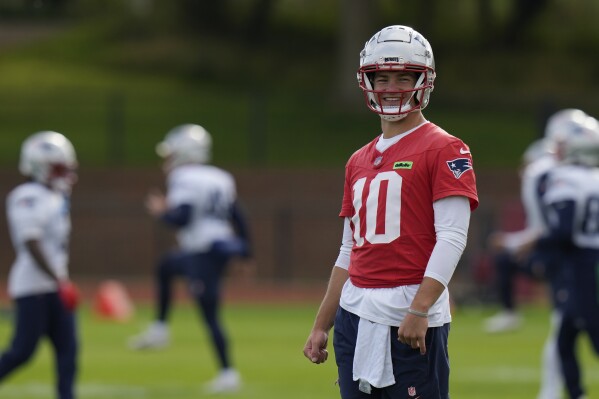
(155, 203)
(69, 294)
(496, 241)
(412, 331)
(315, 348)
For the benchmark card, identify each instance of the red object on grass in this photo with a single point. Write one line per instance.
(112, 301)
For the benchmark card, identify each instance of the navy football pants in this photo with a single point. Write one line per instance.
(416, 376)
(580, 316)
(204, 272)
(38, 316)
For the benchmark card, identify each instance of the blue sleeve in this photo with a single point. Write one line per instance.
(178, 217)
(241, 227)
(561, 224)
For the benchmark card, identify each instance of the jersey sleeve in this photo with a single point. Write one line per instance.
(346, 204)
(180, 191)
(27, 216)
(560, 188)
(453, 173)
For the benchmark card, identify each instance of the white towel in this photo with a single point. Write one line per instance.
(372, 358)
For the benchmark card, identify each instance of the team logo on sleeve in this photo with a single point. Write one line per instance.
(26, 202)
(459, 166)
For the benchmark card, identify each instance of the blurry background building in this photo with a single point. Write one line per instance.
(274, 82)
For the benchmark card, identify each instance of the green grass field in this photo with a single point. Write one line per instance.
(267, 346)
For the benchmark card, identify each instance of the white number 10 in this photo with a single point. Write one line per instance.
(391, 204)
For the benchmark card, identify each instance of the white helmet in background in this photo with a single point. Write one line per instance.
(564, 124)
(397, 48)
(536, 150)
(49, 158)
(184, 144)
(583, 148)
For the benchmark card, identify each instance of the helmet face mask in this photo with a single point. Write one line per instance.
(400, 49)
(185, 144)
(583, 147)
(49, 158)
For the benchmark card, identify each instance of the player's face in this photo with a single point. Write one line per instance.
(62, 175)
(394, 87)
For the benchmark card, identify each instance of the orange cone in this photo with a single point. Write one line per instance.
(112, 301)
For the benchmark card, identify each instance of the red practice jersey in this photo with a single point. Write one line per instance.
(389, 197)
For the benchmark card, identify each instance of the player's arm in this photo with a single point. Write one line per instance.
(452, 217)
(178, 216)
(34, 248)
(315, 348)
(240, 225)
(561, 224)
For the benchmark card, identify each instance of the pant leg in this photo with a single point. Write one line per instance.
(30, 325)
(417, 375)
(62, 332)
(506, 269)
(205, 272)
(344, 342)
(566, 341)
(170, 266)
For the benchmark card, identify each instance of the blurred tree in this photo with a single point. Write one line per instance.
(523, 15)
(205, 15)
(356, 25)
(259, 20)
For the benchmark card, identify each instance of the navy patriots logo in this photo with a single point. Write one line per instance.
(459, 166)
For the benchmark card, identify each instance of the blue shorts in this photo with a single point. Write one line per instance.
(416, 376)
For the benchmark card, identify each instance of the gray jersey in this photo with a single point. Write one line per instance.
(36, 212)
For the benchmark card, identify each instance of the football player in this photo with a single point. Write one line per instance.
(201, 204)
(38, 283)
(572, 200)
(521, 253)
(406, 209)
(513, 254)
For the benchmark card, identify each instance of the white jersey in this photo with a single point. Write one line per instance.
(532, 189)
(35, 212)
(581, 185)
(211, 192)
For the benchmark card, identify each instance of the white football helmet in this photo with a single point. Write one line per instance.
(563, 126)
(536, 150)
(563, 123)
(183, 144)
(49, 158)
(583, 148)
(397, 48)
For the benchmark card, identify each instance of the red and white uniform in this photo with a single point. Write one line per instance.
(389, 197)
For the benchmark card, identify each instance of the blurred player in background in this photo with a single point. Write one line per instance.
(38, 283)
(201, 204)
(406, 208)
(523, 253)
(572, 201)
(512, 250)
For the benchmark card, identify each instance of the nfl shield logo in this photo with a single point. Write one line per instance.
(378, 160)
(412, 391)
